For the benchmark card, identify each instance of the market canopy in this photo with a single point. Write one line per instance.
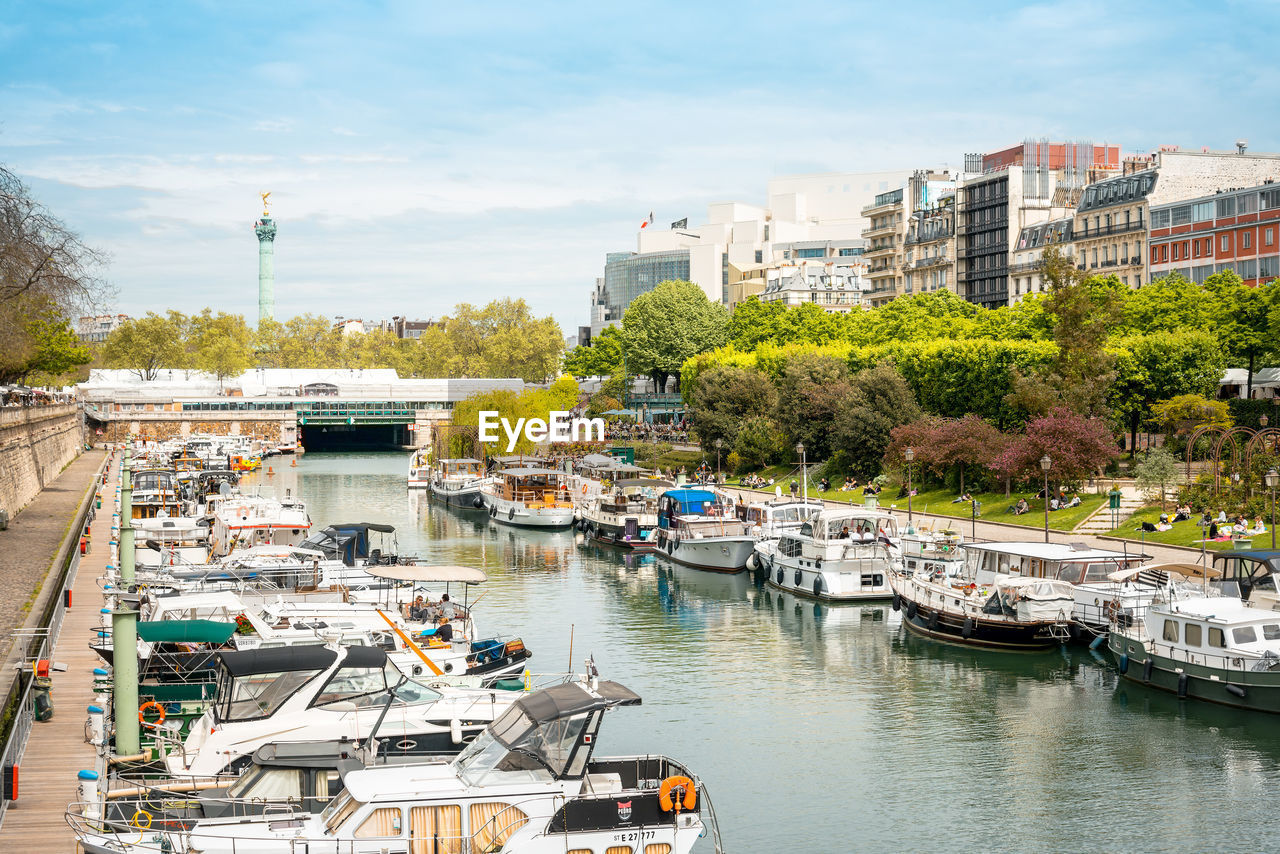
(185, 631)
(430, 574)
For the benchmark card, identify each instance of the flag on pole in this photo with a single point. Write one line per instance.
(648, 222)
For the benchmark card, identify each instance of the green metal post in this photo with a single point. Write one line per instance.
(124, 632)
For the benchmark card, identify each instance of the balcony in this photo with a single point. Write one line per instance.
(1086, 233)
(933, 261)
(1025, 267)
(879, 252)
(880, 230)
(887, 270)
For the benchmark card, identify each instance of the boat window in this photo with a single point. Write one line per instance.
(381, 823)
(1171, 631)
(269, 784)
(1271, 631)
(326, 782)
(492, 824)
(1096, 572)
(657, 848)
(258, 696)
(436, 830)
(1245, 634)
(338, 811)
(1072, 573)
(806, 530)
(1193, 634)
(1216, 637)
(793, 514)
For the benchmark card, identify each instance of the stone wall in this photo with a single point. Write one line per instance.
(36, 443)
(160, 426)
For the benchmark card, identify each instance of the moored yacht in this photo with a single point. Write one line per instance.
(530, 784)
(625, 516)
(420, 468)
(696, 528)
(528, 497)
(840, 554)
(771, 519)
(457, 482)
(242, 521)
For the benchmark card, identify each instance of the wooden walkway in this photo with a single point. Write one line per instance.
(57, 750)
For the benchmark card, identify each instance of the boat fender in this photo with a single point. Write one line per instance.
(671, 546)
(1098, 641)
(933, 621)
(1147, 667)
(817, 564)
(911, 610)
(1182, 686)
(455, 731)
(511, 514)
(753, 562)
(1237, 690)
(417, 670)
(818, 586)
(779, 575)
(897, 602)
(1122, 663)
(493, 510)
(967, 631)
(477, 503)
(799, 578)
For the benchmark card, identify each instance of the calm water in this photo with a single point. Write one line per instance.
(823, 728)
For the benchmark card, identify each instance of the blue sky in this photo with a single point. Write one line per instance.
(422, 154)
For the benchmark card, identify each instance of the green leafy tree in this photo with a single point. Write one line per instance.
(145, 345)
(1157, 470)
(1186, 413)
(502, 339)
(46, 350)
(1242, 318)
(723, 398)
(879, 400)
(661, 329)
(602, 359)
(222, 344)
(758, 442)
(1168, 304)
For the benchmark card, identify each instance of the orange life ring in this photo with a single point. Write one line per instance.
(690, 799)
(142, 710)
(584, 489)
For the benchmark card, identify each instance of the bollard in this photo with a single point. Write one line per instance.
(84, 545)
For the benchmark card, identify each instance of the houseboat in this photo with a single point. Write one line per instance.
(457, 482)
(528, 497)
(696, 528)
(626, 516)
(841, 554)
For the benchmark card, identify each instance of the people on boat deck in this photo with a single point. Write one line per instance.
(844, 533)
(418, 610)
(444, 630)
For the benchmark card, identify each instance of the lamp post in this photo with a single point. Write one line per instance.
(1272, 479)
(910, 455)
(719, 445)
(1045, 464)
(974, 507)
(804, 471)
(1263, 421)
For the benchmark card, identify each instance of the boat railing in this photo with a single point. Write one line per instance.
(1152, 637)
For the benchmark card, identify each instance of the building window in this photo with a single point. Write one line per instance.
(1164, 253)
(1225, 243)
(1175, 252)
(1180, 215)
(1227, 206)
(1268, 236)
(1202, 212)
(759, 256)
(1246, 239)
(1159, 219)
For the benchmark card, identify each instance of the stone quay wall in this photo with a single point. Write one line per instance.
(159, 426)
(36, 443)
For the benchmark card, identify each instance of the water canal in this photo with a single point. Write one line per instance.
(823, 728)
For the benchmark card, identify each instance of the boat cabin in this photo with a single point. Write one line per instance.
(352, 542)
(1074, 563)
(155, 492)
(534, 487)
(1248, 574)
(773, 517)
(463, 468)
(634, 495)
(1217, 631)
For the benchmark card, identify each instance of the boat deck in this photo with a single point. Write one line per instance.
(56, 750)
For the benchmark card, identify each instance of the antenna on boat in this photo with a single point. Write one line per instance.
(571, 649)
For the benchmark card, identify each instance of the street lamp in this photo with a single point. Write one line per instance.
(1045, 464)
(719, 445)
(910, 455)
(1272, 479)
(1263, 421)
(804, 476)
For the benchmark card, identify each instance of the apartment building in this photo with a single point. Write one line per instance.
(1228, 230)
(929, 262)
(889, 218)
(1025, 274)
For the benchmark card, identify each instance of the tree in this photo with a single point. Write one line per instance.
(1168, 304)
(602, 358)
(1083, 312)
(758, 442)
(812, 389)
(502, 339)
(669, 324)
(1078, 447)
(1157, 469)
(49, 350)
(144, 345)
(1243, 316)
(967, 442)
(723, 397)
(222, 344)
(879, 401)
(1187, 413)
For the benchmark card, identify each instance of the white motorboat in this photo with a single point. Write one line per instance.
(318, 693)
(531, 784)
(420, 468)
(242, 521)
(696, 528)
(528, 497)
(842, 554)
(457, 483)
(771, 519)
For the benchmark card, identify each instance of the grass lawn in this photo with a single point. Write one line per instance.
(994, 506)
(1186, 533)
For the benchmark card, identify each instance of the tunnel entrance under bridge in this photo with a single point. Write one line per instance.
(354, 437)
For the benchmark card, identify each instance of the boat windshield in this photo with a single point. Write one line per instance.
(245, 698)
(514, 742)
(338, 811)
(368, 686)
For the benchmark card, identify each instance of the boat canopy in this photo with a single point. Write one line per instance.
(573, 698)
(690, 500)
(252, 662)
(185, 631)
(1187, 570)
(529, 472)
(643, 481)
(431, 574)
(1035, 588)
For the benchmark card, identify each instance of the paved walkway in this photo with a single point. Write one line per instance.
(33, 542)
(56, 750)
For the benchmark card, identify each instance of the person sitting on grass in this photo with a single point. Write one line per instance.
(1075, 501)
(1054, 504)
(964, 496)
(1183, 513)
(1021, 507)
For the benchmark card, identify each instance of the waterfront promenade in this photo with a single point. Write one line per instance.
(56, 749)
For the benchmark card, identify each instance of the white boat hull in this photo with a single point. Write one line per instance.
(834, 581)
(520, 515)
(717, 554)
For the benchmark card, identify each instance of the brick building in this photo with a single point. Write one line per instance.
(1228, 230)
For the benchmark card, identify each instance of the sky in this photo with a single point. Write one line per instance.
(422, 154)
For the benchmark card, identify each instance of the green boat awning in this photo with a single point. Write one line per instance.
(186, 631)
